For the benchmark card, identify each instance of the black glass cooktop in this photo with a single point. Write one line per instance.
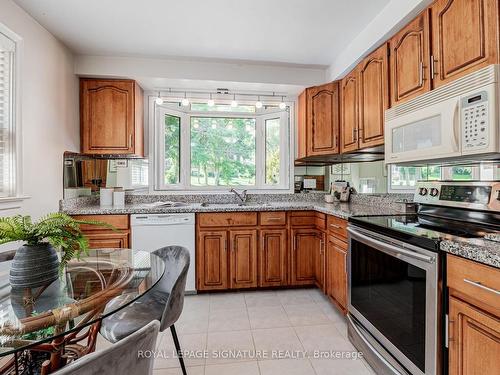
(419, 230)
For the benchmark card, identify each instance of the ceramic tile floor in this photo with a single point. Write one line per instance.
(271, 326)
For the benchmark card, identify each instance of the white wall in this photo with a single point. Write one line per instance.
(49, 112)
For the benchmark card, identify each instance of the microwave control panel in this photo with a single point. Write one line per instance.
(475, 129)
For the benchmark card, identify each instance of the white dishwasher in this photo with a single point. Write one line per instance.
(154, 231)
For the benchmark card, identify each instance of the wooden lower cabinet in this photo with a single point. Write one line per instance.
(474, 347)
(319, 261)
(304, 245)
(100, 237)
(473, 317)
(273, 263)
(243, 258)
(336, 278)
(108, 240)
(211, 259)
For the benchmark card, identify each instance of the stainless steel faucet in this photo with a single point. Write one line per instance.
(241, 196)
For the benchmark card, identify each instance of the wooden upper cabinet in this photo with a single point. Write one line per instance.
(211, 259)
(374, 97)
(474, 346)
(243, 269)
(273, 263)
(111, 117)
(349, 112)
(410, 59)
(302, 125)
(322, 119)
(464, 37)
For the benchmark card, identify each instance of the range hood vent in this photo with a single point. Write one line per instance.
(360, 156)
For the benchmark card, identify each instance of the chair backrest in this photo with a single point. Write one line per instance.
(133, 355)
(173, 282)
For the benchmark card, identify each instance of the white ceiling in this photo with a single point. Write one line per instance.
(307, 32)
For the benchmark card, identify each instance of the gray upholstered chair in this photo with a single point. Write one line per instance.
(132, 355)
(164, 302)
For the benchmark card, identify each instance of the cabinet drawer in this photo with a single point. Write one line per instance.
(303, 220)
(337, 226)
(272, 218)
(120, 222)
(224, 219)
(474, 280)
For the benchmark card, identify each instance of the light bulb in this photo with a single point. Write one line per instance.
(282, 104)
(159, 99)
(234, 103)
(185, 102)
(211, 102)
(258, 104)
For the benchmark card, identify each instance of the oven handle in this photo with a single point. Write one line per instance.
(396, 251)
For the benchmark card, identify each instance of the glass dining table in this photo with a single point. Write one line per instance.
(44, 328)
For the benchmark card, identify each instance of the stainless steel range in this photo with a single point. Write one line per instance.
(396, 304)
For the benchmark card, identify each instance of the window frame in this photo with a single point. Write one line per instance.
(157, 144)
(16, 190)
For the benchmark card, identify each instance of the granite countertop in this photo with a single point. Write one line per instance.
(484, 251)
(342, 210)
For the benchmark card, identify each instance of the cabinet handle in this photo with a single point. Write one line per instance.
(273, 218)
(421, 73)
(335, 226)
(225, 245)
(480, 285)
(321, 246)
(433, 70)
(130, 141)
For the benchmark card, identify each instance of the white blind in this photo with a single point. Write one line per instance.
(7, 50)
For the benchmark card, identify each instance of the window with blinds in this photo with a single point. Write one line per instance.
(7, 177)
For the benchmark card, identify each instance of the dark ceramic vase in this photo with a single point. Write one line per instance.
(34, 266)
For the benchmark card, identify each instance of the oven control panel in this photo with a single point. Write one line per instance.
(473, 195)
(475, 129)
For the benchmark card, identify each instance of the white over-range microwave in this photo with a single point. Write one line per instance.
(458, 121)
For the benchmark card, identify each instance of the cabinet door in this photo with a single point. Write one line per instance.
(374, 98)
(349, 112)
(273, 257)
(410, 54)
(107, 240)
(323, 119)
(243, 269)
(474, 346)
(336, 271)
(211, 260)
(319, 264)
(302, 125)
(304, 246)
(107, 116)
(464, 37)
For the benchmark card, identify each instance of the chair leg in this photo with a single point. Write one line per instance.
(178, 349)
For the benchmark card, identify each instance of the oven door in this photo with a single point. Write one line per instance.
(393, 296)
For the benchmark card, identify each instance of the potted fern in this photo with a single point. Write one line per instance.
(36, 262)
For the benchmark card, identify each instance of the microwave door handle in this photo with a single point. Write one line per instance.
(391, 249)
(456, 126)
